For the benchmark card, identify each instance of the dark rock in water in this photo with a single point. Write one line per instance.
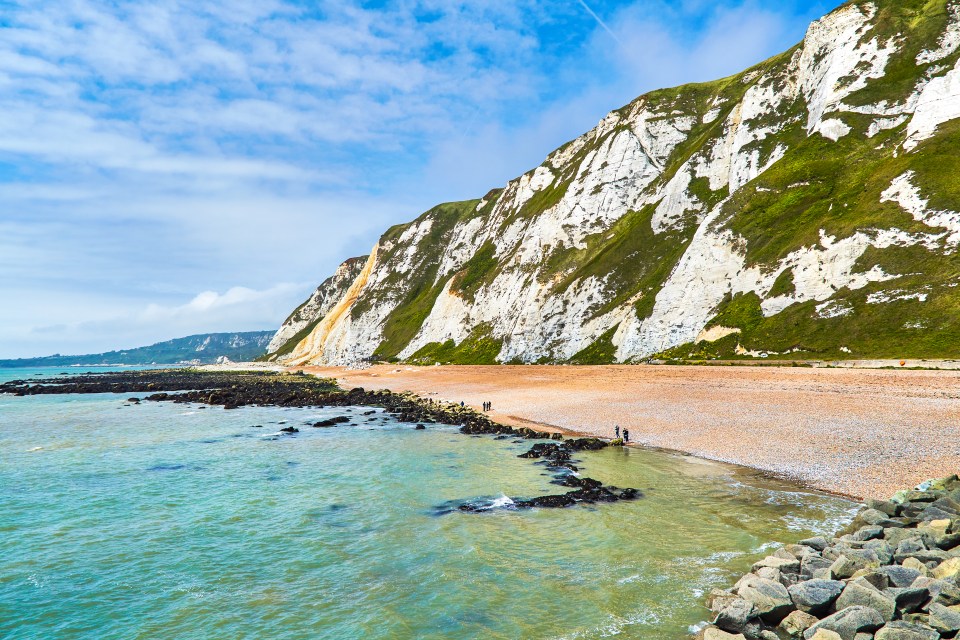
(332, 422)
(547, 450)
(550, 502)
(290, 430)
(134, 400)
(256, 426)
(420, 427)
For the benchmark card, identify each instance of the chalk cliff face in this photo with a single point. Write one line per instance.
(808, 206)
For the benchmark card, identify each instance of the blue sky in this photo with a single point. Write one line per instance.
(176, 167)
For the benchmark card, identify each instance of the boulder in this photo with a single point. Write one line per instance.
(796, 623)
(826, 634)
(735, 615)
(791, 565)
(900, 630)
(846, 565)
(946, 569)
(908, 599)
(813, 562)
(899, 576)
(848, 622)
(861, 593)
(884, 506)
(818, 543)
(712, 633)
(771, 599)
(946, 620)
(815, 596)
(916, 565)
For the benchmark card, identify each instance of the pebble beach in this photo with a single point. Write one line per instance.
(857, 432)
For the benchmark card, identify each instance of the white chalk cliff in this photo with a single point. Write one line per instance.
(764, 213)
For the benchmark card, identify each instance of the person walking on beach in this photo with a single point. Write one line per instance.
(616, 431)
(626, 435)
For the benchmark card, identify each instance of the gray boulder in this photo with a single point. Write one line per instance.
(771, 599)
(815, 596)
(811, 563)
(735, 615)
(900, 630)
(946, 620)
(899, 576)
(861, 593)
(848, 564)
(909, 599)
(848, 622)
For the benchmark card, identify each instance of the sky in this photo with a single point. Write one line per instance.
(178, 167)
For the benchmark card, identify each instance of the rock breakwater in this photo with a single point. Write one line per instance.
(891, 575)
(236, 389)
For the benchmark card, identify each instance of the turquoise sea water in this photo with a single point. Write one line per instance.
(172, 521)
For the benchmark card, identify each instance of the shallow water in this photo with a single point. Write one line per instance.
(173, 521)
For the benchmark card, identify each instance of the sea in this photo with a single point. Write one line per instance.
(164, 520)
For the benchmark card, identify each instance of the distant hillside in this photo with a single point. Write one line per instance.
(199, 349)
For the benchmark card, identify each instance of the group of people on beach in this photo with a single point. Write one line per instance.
(626, 433)
(487, 406)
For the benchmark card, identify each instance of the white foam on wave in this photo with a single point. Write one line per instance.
(501, 502)
(34, 449)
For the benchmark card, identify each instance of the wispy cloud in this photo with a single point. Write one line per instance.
(603, 25)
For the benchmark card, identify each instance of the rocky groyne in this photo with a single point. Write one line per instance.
(232, 390)
(891, 575)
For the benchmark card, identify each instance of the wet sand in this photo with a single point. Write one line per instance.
(855, 432)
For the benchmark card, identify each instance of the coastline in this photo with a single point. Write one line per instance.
(858, 433)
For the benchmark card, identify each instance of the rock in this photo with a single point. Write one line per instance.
(848, 622)
(908, 599)
(877, 579)
(712, 633)
(946, 569)
(861, 593)
(769, 573)
(812, 563)
(791, 565)
(869, 532)
(735, 615)
(899, 576)
(718, 599)
(916, 565)
(798, 551)
(846, 565)
(884, 506)
(766, 634)
(900, 630)
(826, 634)
(815, 596)
(771, 599)
(818, 543)
(935, 513)
(946, 620)
(290, 430)
(420, 427)
(796, 623)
